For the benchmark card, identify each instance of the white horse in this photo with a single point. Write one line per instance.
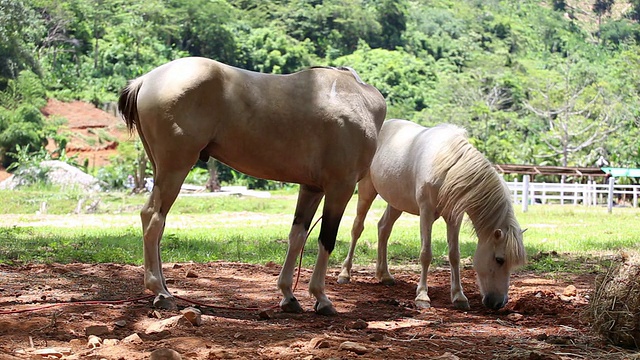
(317, 127)
(433, 172)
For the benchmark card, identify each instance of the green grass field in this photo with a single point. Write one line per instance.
(244, 229)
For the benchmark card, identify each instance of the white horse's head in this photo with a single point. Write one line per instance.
(497, 255)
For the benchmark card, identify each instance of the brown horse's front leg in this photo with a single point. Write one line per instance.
(334, 205)
(308, 201)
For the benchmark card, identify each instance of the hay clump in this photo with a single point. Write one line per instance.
(614, 309)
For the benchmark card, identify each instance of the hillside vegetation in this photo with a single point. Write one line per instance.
(534, 82)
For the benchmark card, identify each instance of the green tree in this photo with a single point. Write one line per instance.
(19, 28)
(392, 17)
(204, 29)
(602, 8)
(403, 79)
(272, 51)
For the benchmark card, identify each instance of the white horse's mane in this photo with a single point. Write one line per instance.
(471, 184)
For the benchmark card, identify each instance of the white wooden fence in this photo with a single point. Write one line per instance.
(589, 194)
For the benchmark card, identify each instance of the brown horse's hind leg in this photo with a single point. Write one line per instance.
(153, 215)
(336, 199)
(308, 201)
(366, 194)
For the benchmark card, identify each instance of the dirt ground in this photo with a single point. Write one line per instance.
(543, 319)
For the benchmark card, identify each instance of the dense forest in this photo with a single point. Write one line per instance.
(533, 82)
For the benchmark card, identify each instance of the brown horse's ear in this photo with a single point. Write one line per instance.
(497, 234)
(522, 232)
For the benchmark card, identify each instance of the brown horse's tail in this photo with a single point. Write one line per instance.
(127, 103)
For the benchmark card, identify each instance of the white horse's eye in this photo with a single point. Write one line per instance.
(500, 261)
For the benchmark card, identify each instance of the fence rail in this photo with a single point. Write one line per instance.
(589, 194)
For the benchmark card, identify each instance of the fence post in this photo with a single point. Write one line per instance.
(515, 190)
(612, 180)
(525, 193)
(635, 196)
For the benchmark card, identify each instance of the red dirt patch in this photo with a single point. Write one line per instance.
(94, 134)
(535, 325)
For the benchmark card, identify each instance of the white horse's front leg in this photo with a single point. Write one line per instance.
(385, 225)
(426, 223)
(458, 298)
(366, 194)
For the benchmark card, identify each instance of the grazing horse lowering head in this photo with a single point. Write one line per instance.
(473, 186)
(317, 127)
(433, 172)
(498, 252)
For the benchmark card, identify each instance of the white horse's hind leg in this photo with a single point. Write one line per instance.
(366, 194)
(153, 215)
(385, 225)
(306, 207)
(458, 298)
(426, 225)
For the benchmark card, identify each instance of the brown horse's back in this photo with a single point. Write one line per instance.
(301, 128)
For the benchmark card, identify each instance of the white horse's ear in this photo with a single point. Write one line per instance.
(497, 234)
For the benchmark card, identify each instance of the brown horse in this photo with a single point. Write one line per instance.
(317, 127)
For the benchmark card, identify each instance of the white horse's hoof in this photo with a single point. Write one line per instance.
(291, 306)
(327, 310)
(343, 280)
(423, 304)
(461, 305)
(165, 302)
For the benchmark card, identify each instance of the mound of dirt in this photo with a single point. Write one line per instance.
(94, 134)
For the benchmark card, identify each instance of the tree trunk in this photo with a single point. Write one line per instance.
(141, 172)
(212, 184)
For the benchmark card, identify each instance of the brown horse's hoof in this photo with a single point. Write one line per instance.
(164, 302)
(422, 304)
(461, 305)
(292, 306)
(326, 310)
(343, 280)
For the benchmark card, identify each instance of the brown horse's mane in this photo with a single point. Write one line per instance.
(342, 68)
(471, 184)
